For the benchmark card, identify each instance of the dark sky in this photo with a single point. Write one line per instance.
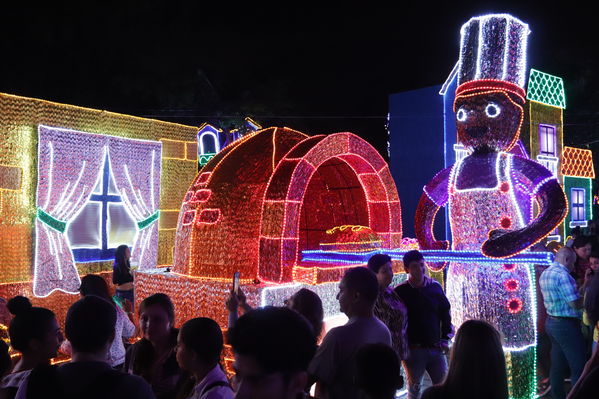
(314, 67)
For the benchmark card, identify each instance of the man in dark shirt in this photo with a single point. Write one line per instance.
(89, 328)
(429, 324)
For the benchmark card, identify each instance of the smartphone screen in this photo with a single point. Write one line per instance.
(236, 282)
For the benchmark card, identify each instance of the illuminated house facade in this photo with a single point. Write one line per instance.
(543, 137)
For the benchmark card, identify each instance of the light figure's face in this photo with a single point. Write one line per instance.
(488, 121)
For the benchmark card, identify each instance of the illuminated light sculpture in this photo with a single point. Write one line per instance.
(69, 163)
(273, 194)
(490, 191)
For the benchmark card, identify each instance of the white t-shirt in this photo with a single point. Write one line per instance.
(123, 328)
(333, 365)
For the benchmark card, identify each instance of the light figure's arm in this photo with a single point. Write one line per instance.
(552, 205)
(434, 197)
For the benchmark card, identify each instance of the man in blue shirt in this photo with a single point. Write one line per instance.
(563, 304)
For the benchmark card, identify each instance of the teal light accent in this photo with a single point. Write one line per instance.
(203, 159)
(51, 221)
(149, 220)
(546, 89)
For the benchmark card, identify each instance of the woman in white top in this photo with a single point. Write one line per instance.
(92, 284)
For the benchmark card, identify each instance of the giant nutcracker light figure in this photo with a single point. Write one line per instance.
(491, 194)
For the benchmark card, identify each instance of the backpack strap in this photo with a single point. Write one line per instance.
(213, 385)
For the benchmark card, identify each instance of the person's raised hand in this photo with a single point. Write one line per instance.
(232, 302)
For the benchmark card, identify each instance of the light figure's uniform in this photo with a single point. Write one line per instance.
(498, 293)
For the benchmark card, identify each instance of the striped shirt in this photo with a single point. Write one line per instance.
(559, 289)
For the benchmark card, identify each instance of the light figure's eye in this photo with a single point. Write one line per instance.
(461, 115)
(492, 110)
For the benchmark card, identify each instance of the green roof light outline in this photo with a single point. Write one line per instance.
(546, 89)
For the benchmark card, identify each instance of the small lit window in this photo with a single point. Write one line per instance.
(547, 140)
(578, 205)
(102, 224)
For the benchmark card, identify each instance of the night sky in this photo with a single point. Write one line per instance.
(316, 68)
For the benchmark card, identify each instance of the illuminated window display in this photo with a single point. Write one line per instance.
(69, 166)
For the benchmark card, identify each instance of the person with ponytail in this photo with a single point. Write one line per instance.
(35, 333)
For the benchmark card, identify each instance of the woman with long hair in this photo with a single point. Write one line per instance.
(308, 304)
(153, 357)
(476, 366)
(582, 246)
(121, 273)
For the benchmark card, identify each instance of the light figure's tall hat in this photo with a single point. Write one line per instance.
(493, 55)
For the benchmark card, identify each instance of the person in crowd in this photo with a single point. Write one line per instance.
(153, 357)
(272, 349)
(429, 324)
(333, 366)
(4, 318)
(89, 327)
(35, 333)
(587, 386)
(591, 300)
(377, 372)
(199, 346)
(306, 302)
(575, 232)
(582, 247)
(476, 367)
(121, 274)
(563, 304)
(543, 340)
(5, 360)
(92, 284)
(388, 307)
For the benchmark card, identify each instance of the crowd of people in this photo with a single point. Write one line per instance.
(568, 326)
(285, 352)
